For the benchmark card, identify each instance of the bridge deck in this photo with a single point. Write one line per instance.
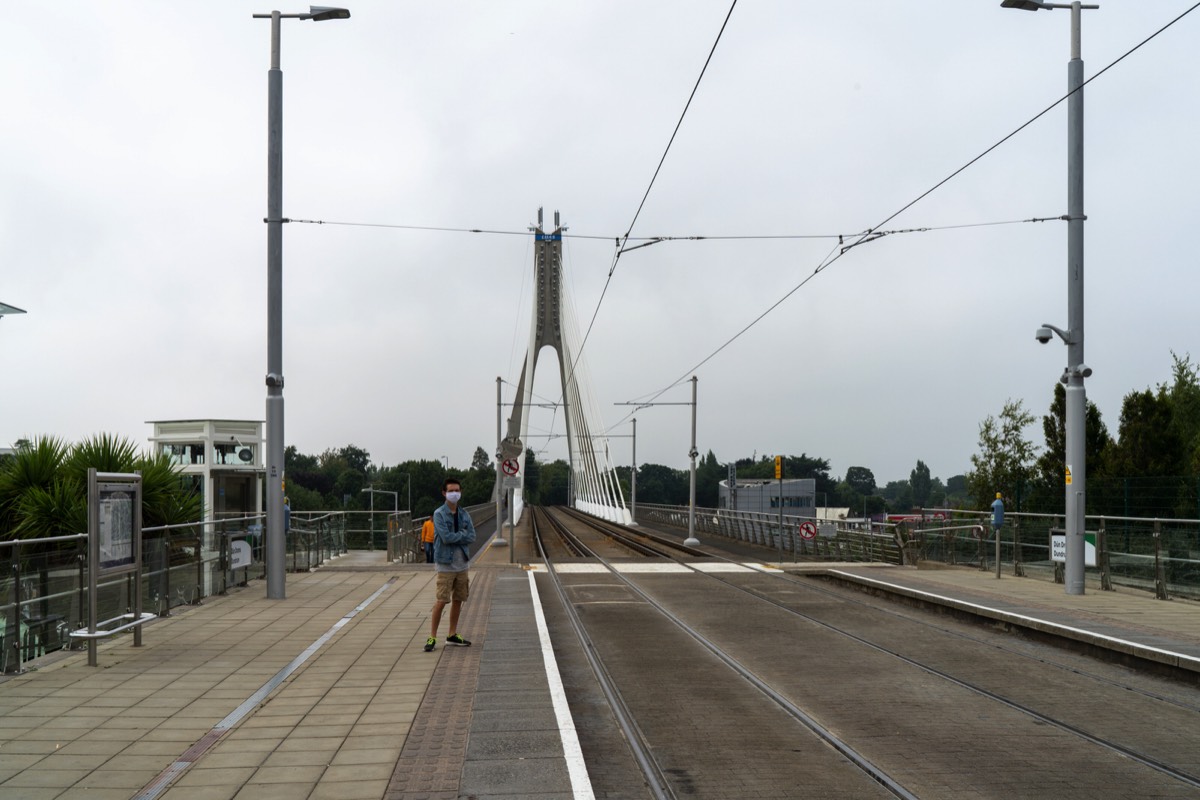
(329, 693)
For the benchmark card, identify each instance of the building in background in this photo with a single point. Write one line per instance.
(224, 457)
(798, 496)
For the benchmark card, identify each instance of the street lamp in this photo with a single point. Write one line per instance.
(446, 463)
(691, 540)
(1076, 371)
(276, 547)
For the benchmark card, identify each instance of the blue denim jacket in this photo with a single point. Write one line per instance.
(445, 538)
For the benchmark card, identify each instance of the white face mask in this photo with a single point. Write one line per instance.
(453, 497)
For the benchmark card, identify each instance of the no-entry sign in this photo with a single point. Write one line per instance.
(511, 466)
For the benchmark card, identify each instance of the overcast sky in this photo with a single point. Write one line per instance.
(133, 189)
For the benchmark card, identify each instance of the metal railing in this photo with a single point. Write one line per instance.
(44, 584)
(1154, 555)
(830, 540)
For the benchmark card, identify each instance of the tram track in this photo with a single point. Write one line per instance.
(655, 774)
(1154, 762)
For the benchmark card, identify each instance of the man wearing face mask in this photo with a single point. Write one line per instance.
(453, 531)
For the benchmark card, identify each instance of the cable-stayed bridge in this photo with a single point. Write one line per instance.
(594, 485)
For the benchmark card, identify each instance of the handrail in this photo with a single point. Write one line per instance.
(71, 537)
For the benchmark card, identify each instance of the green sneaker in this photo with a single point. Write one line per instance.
(430, 643)
(454, 638)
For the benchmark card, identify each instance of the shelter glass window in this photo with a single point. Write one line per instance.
(233, 454)
(184, 452)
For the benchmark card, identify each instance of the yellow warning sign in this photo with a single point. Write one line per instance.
(1068, 475)
(778, 467)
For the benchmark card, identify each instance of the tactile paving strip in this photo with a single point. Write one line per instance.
(430, 765)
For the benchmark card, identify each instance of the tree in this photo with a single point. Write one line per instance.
(709, 474)
(533, 476)
(1050, 493)
(356, 458)
(1148, 444)
(1005, 458)
(899, 496)
(43, 488)
(861, 480)
(481, 460)
(552, 483)
(660, 484)
(1185, 411)
(921, 484)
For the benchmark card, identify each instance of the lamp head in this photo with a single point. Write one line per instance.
(322, 13)
(1024, 5)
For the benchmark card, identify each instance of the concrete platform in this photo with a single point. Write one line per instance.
(329, 694)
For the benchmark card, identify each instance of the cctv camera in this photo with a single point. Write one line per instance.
(1043, 335)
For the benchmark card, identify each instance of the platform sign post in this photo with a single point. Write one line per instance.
(511, 467)
(114, 542)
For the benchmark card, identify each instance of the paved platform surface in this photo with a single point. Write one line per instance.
(329, 694)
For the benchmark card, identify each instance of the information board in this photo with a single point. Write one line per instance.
(115, 521)
(115, 526)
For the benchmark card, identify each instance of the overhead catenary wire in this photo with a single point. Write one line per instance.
(689, 237)
(653, 178)
(871, 233)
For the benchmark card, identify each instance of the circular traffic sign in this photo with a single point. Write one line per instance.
(511, 466)
(808, 530)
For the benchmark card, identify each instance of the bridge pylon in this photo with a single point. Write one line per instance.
(594, 486)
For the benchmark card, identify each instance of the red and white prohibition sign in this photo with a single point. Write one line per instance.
(808, 530)
(511, 466)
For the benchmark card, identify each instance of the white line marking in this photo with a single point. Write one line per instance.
(581, 785)
(1013, 615)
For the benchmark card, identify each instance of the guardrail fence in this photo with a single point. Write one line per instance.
(44, 585)
(1154, 555)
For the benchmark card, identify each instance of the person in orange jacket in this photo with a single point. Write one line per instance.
(427, 540)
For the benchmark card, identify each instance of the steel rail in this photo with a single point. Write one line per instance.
(873, 771)
(1141, 758)
(652, 771)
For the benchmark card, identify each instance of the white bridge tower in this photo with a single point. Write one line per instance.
(594, 485)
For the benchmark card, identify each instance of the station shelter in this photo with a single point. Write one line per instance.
(224, 458)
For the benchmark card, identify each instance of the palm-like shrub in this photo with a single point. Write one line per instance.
(43, 488)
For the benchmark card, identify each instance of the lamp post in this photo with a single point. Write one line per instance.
(276, 547)
(408, 489)
(633, 479)
(691, 540)
(500, 541)
(1076, 371)
(446, 463)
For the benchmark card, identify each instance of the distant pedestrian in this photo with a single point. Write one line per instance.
(287, 516)
(998, 514)
(453, 531)
(427, 535)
